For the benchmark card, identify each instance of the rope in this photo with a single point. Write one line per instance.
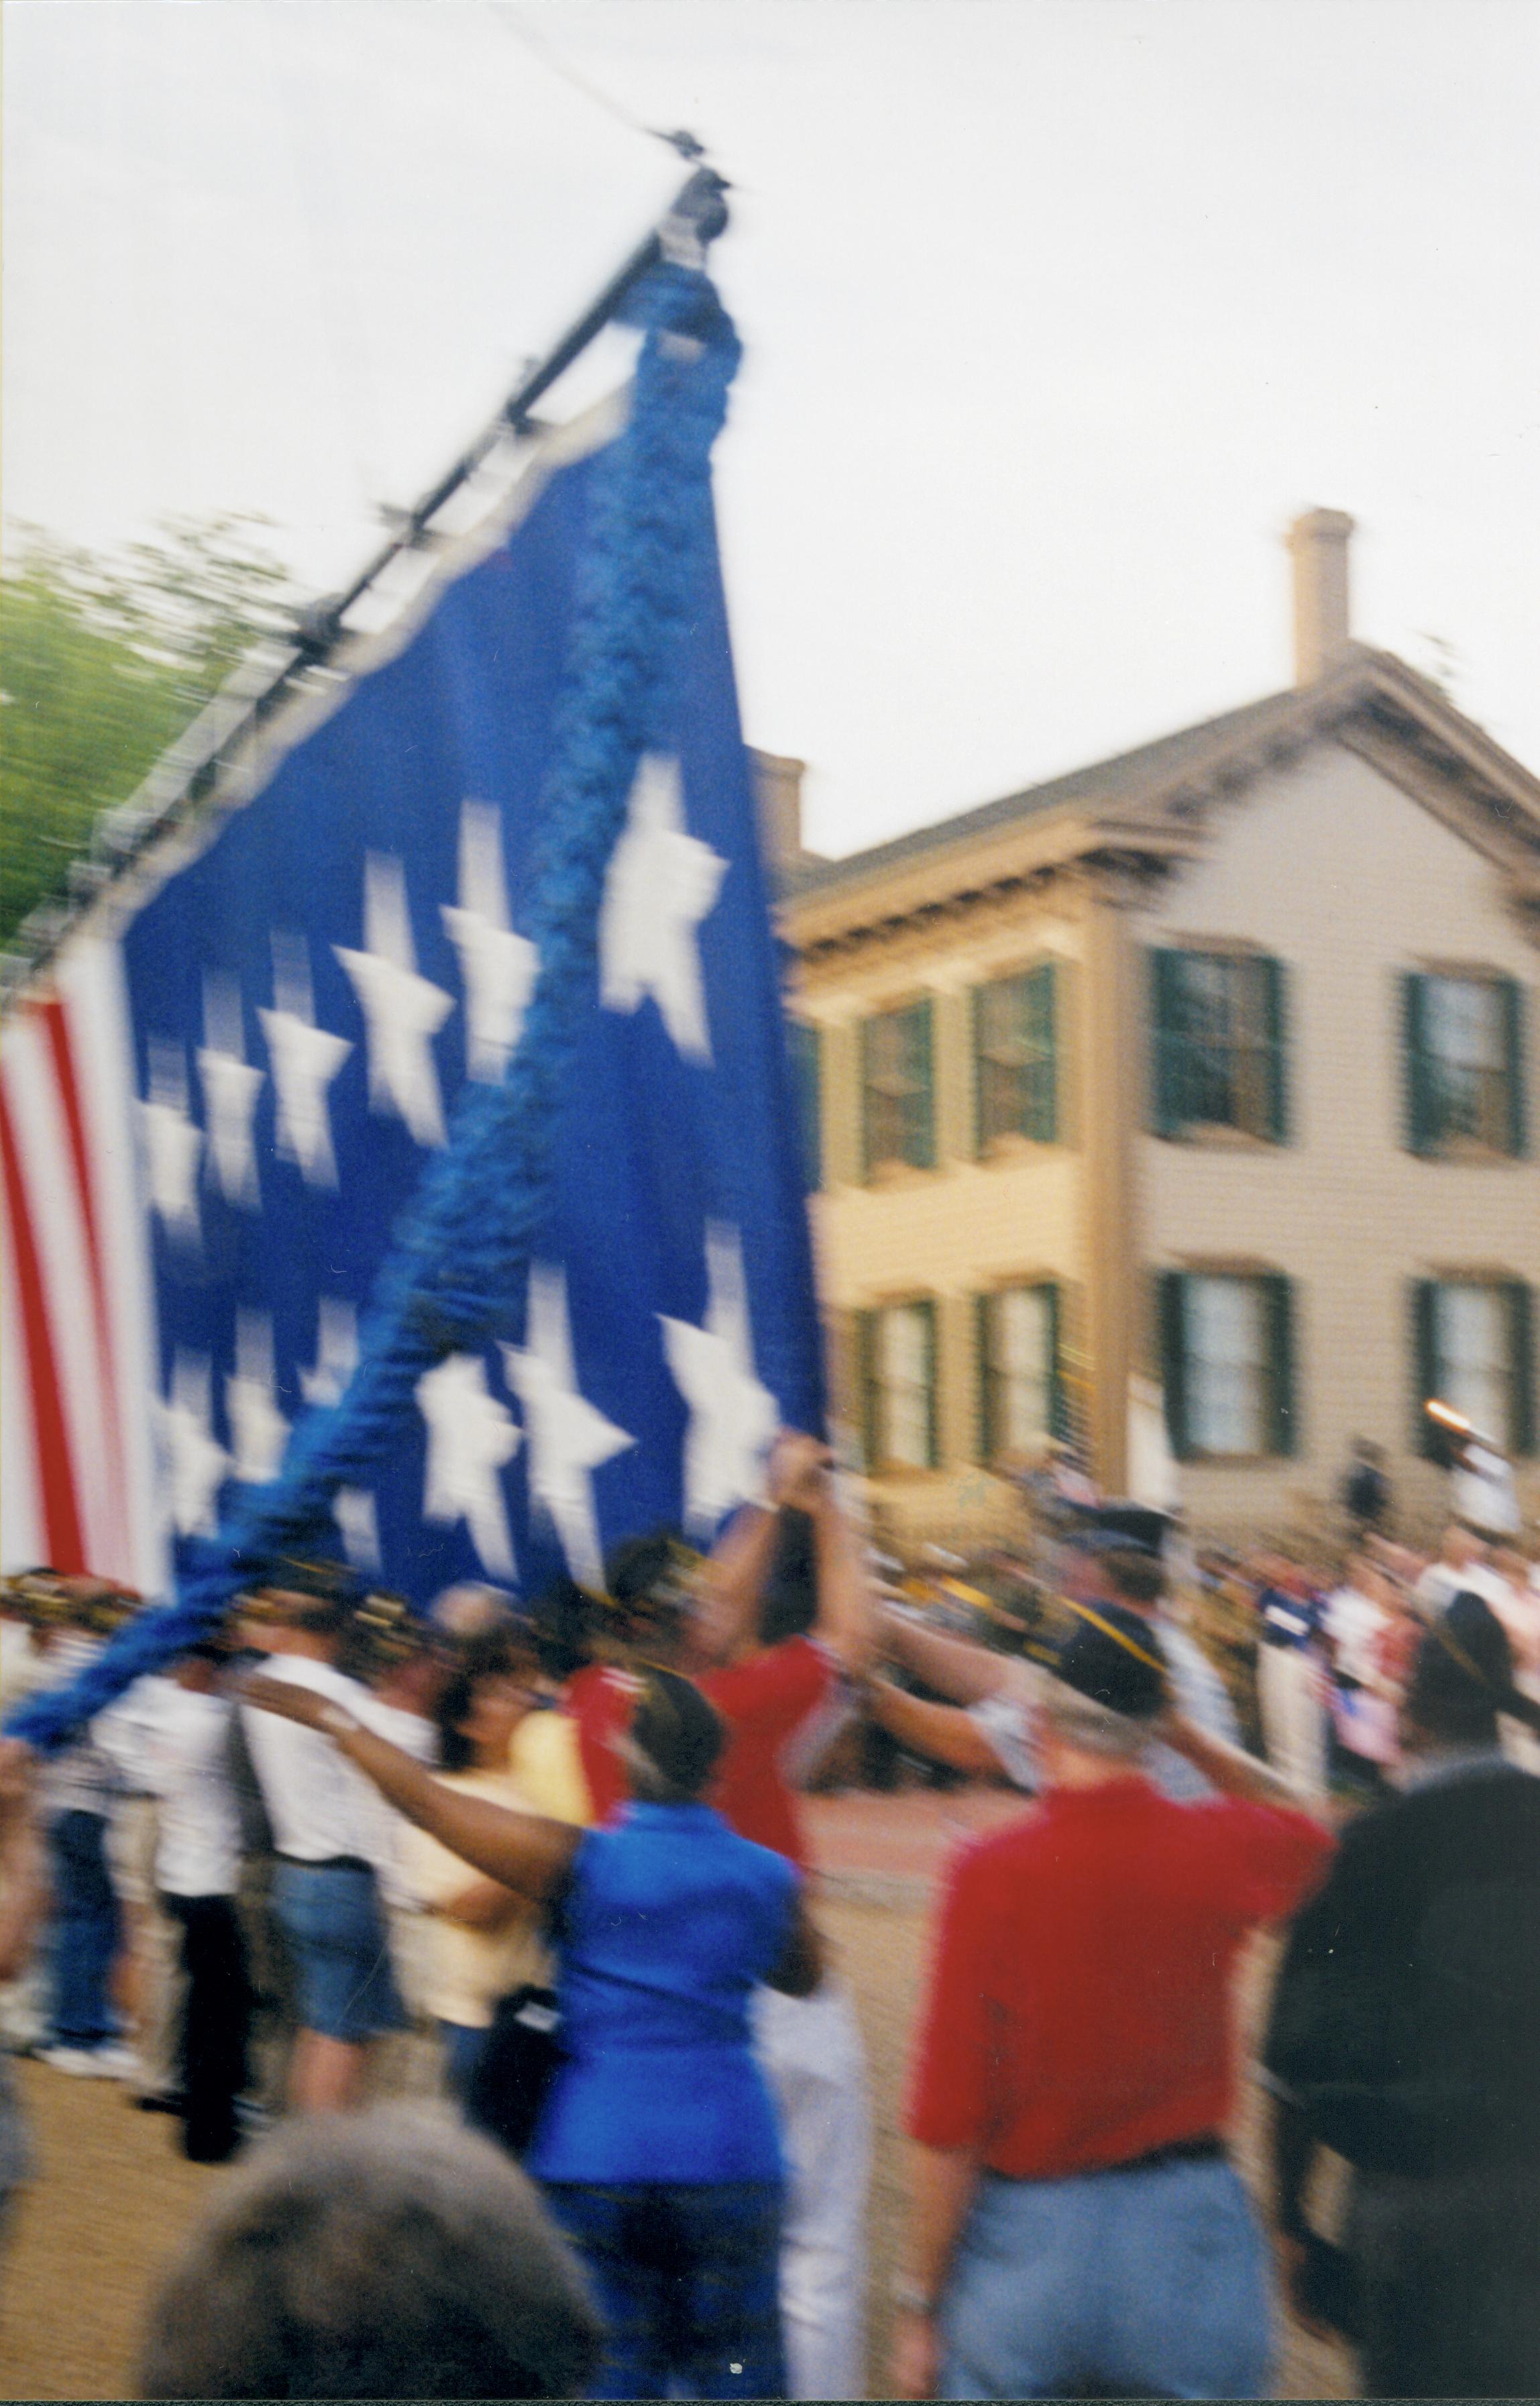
(457, 1278)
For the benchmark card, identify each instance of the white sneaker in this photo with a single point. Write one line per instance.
(81, 2061)
(115, 2062)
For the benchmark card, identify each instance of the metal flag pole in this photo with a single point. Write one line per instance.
(694, 218)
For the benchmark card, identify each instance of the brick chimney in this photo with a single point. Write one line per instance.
(1318, 543)
(778, 790)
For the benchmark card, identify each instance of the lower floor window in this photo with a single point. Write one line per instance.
(1475, 1353)
(1019, 1364)
(1228, 1348)
(899, 1346)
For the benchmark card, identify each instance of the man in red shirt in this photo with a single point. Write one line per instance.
(1077, 2228)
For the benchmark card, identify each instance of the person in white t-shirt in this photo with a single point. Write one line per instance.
(185, 1736)
(334, 1842)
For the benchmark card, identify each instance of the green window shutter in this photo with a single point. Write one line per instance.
(807, 1077)
(1173, 1333)
(1041, 1015)
(1279, 1304)
(1421, 1130)
(1058, 1402)
(984, 1383)
(975, 1068)
(1425, 1365)
(922, 1147)
(868, 1040)
(1513, 1053)
(933, 1448)
(1521, 1434)
(865, 1386)
(1166, 1068)
(1275, 1023)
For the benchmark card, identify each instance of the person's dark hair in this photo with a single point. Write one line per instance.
(318, 1597)
(1133, 1574)
(494, 1655)
(379, 2255)
(789, 1605)
(675, 1738)
(562, 1620)
(1462, 1676)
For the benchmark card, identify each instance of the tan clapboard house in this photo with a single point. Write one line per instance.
(1203, 1076)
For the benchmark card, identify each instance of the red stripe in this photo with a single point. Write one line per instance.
(61, 1517)
(52, 1013)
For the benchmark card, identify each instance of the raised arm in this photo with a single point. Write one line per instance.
(846, 1617)
(521, 1850)
(945, 1733)
(953, 1667)
(1232, 1770)
(733, 1579)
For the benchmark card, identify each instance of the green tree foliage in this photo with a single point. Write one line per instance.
(104, 659)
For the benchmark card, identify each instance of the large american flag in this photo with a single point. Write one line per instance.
(218, 1104)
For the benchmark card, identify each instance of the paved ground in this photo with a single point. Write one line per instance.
(114, 2200)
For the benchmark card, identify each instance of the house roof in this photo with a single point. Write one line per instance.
(1151, 802)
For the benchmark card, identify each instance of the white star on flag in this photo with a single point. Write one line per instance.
(569, 1437)
(402, 1012)
(196, 1464)
(497, 967)
(305, 1058)
(231, 1087)
(733, 1418)
(660, 883)
(469, 1437)
(336, 1352)
(173, 1145)
(354, 1511)
(256, 1427)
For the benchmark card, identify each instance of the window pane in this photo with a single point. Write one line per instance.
(1015, 1056)
(1020, 1368)
(903, 1372)
(1468, 1059)
(896, 1100)
(1226, 1365)
(1471, 1327)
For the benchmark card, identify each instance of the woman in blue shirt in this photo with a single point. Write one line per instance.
(659, 2147)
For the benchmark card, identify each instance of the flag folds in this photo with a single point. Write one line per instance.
(250, 1089)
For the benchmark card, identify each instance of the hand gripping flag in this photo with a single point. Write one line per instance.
(405, 1160)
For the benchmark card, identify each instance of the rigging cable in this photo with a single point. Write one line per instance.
(512, 19)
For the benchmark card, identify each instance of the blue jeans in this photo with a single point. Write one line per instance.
(86, 1930)
(335, 1929)
(1116, 2283)
(462, 2052)
(688, 2281)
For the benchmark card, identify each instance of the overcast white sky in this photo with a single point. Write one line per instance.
(1057, 311)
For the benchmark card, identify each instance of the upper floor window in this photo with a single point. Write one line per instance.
(1228, 1344)
(1014, 1057)
(1475, 1351)
(1219, 1044)
(898, 1111)
(1018, 1385)
(1465, 1064)
(806, 1048)
(899, 1385)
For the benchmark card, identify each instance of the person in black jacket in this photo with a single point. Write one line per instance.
(1405, 2035)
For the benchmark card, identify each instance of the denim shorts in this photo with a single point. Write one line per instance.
(335, 1929)
(1139, 2283)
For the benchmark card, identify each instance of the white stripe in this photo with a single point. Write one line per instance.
(63, 1262)
(90, 980)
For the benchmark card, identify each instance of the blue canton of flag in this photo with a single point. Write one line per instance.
(307, 996)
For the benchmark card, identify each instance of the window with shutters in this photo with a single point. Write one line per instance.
(1228, 1339)
(1014, 1057)
(1475, 1351)
(897, 1116)
(1465, 1064)
(1219, 1044)
(1020, 1398)
(898, 1368)
(807, 1078)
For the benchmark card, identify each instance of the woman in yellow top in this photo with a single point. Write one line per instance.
(482, 1939)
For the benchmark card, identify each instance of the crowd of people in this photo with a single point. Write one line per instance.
(563, 1842)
